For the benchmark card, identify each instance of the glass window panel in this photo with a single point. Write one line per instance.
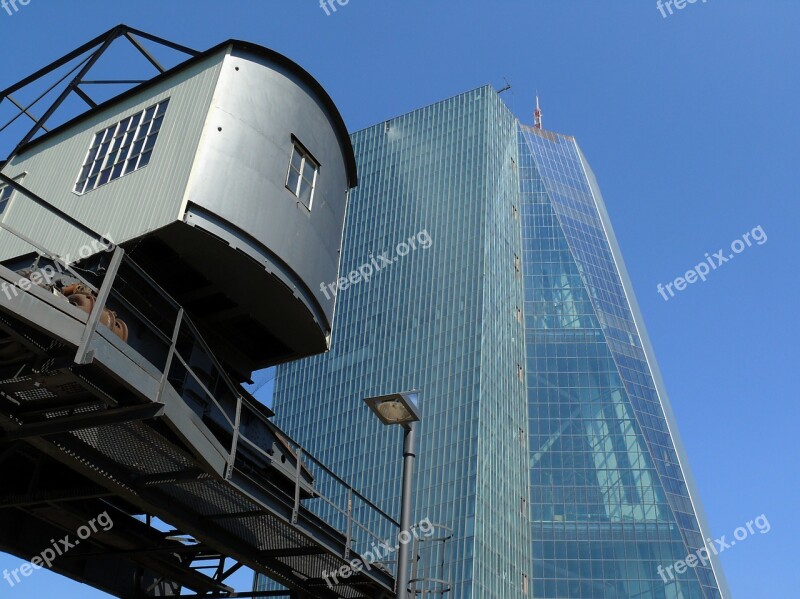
(121, 149)
(297, 159)
(151, 141)
(308, 170)
(145, 159)
(148, 114)
(293, 180)
(302, 174)
(156, 125)
(137, 148)
(305, 193)
(130, 165)
(115, 145)
(5, 196)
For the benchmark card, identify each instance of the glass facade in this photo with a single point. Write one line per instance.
(544, 442)
(609, 499)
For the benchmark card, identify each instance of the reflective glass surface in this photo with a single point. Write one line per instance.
(609, 501)
(544, 444)
(5, 196)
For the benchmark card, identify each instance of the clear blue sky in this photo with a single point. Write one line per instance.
(690, 123)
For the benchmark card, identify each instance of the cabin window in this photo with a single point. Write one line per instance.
(302, 176)
(121, 148)
(6, 192)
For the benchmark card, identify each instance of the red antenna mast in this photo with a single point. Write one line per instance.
(537, 115)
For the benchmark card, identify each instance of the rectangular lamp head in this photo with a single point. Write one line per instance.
(397, 408)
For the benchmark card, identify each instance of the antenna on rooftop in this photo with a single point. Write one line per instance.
(537, 115)
(506, 88)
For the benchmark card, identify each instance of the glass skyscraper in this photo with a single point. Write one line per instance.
(547, 442)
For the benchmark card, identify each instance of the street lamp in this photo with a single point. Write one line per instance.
(401, 408)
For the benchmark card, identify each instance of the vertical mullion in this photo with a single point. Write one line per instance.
(300, 174)
(84, 165)
(121, 141)
(106, 158)
(314, 182)
(132, 133)
(146, 135)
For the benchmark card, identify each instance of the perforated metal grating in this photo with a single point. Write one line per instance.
(137, 447)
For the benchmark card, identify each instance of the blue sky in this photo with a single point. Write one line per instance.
(691, 125)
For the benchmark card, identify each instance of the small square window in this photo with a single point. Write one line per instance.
(301, 179)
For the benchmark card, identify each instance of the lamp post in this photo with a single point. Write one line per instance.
(401, 408)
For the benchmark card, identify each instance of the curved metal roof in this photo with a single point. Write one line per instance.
(271, 55)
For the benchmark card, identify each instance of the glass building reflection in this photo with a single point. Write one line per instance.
(547, 441)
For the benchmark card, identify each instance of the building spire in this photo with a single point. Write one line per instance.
(537, 115)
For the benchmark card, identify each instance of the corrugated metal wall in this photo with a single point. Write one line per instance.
(138, 202)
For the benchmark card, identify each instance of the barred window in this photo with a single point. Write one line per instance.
(121, 148)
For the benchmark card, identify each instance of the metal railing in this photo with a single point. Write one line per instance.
(429, 573)
(189, 365)
(163, 334)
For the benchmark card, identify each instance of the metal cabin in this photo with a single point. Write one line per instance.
(154, 250)
(225, 178)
